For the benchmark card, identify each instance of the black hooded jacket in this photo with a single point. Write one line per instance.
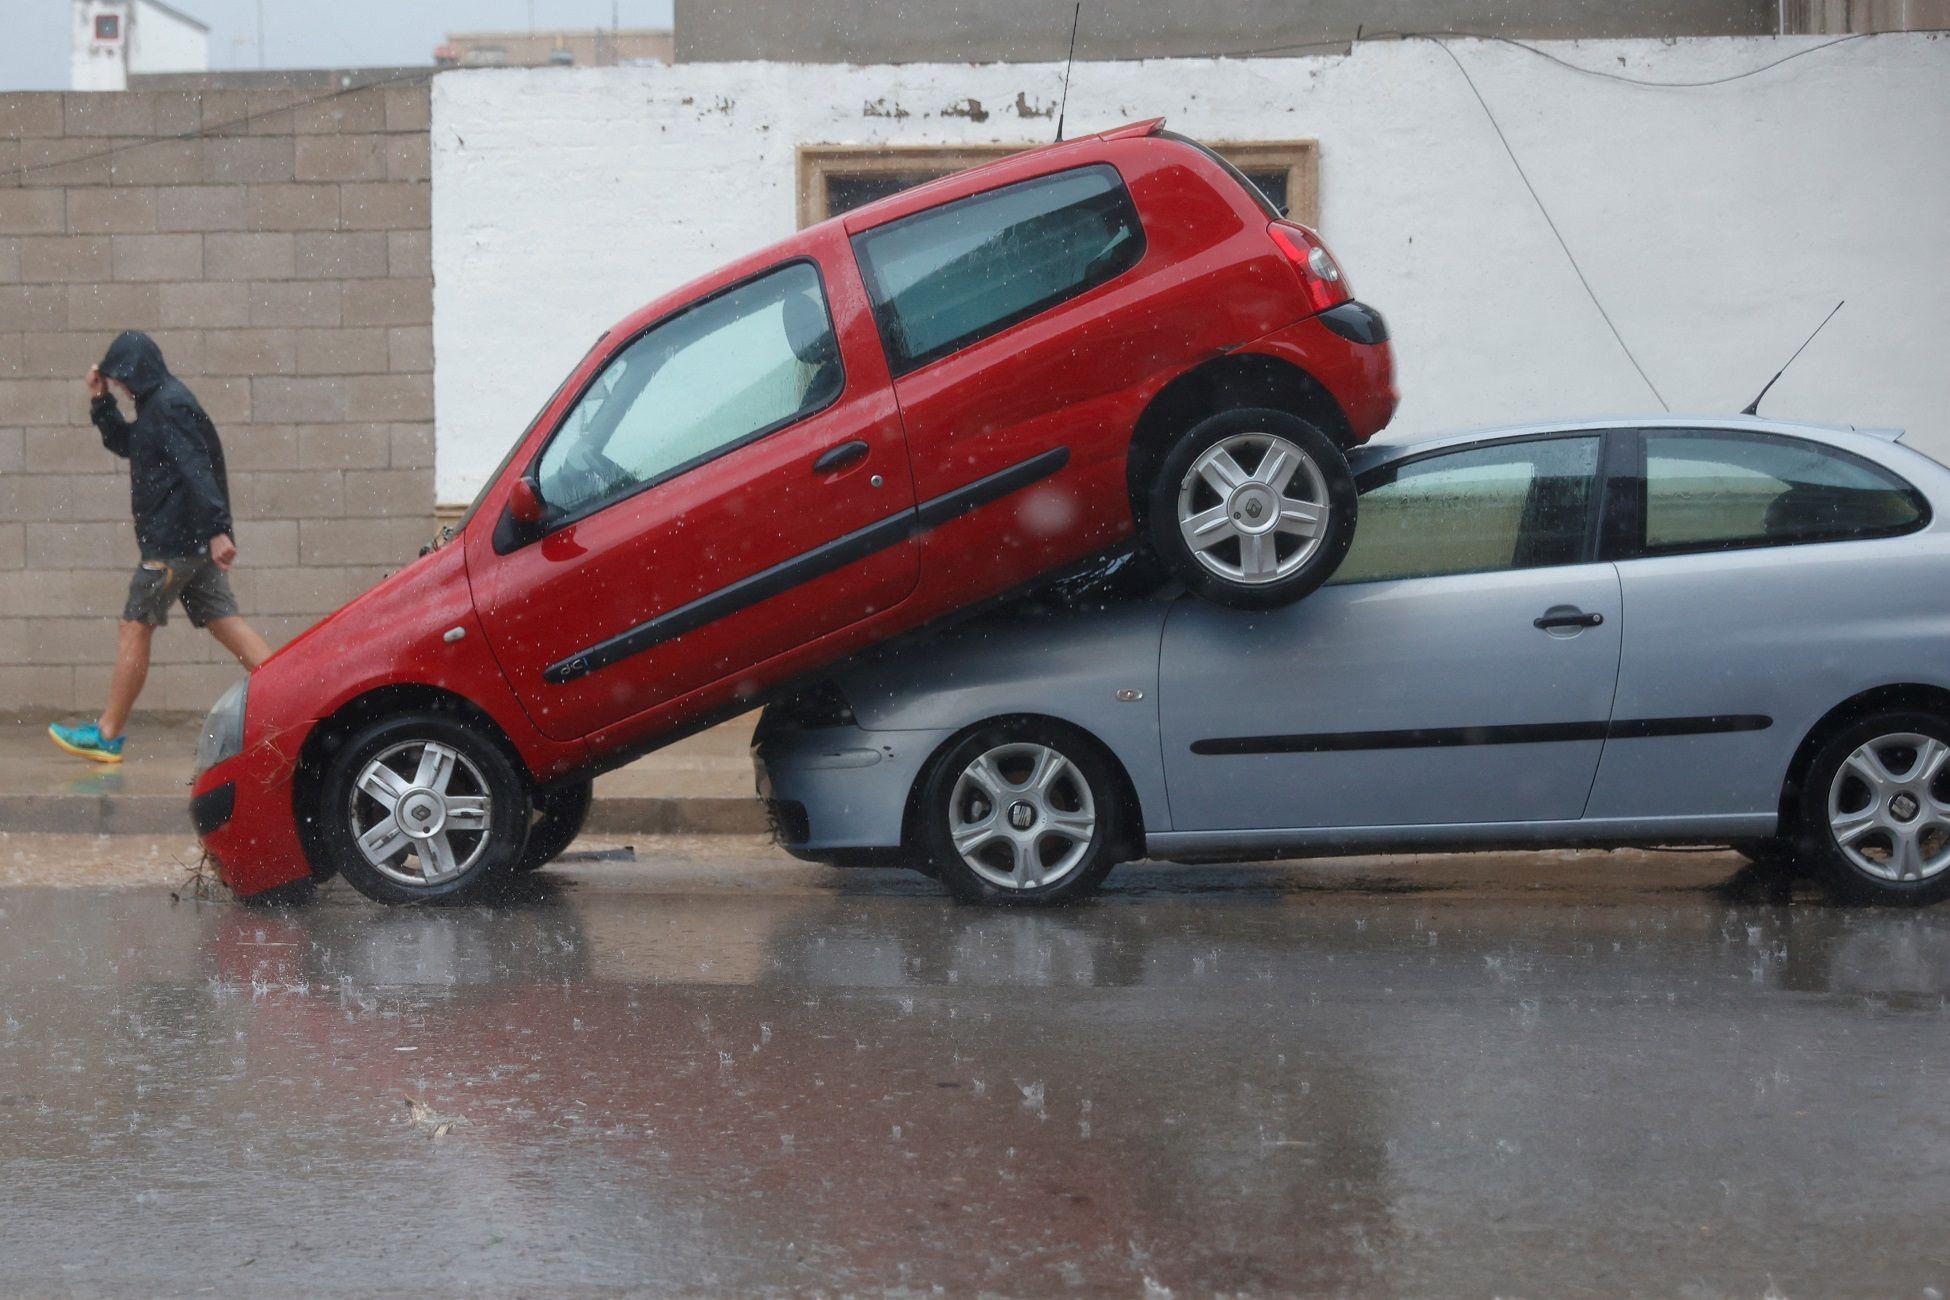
(177, 485)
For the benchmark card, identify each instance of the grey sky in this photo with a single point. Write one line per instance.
(305, 34)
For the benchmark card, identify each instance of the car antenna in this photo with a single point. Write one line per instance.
(1069, 63)
(1753, 407)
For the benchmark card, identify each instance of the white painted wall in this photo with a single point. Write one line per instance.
(1718, 224)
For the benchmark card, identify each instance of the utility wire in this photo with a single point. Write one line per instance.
(220, 128)
(1552, 223)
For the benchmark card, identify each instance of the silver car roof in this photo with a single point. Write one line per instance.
(1381, 452)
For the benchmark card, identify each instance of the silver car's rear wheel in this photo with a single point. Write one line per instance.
(1889, 808)
(1253, 508)
(420, 813)
(1022, 816)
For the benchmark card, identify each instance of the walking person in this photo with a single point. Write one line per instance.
(181, 499)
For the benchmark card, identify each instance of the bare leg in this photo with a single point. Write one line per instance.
(238, 637)
(131, 670)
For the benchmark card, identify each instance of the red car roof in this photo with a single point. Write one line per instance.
(1031, 161)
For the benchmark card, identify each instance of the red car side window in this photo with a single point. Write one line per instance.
(944, 278)
(717, 375)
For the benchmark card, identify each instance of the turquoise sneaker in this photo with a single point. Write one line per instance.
(87, 741)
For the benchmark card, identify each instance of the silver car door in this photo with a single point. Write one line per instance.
(1751, 617)
(1460, 667)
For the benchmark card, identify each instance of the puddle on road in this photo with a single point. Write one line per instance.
(729, 1074)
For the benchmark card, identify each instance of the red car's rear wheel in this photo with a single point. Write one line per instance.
(1252, 508)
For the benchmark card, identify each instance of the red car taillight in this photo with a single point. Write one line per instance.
(1320, 275)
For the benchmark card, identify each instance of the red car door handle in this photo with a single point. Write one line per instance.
(844, 456)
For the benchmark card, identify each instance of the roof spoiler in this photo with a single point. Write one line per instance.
(1887, 435)
(1133, 130)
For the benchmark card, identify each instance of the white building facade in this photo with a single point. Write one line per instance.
(114, 38)
(1717, 222)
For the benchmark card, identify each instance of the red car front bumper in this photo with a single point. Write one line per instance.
(242, 810)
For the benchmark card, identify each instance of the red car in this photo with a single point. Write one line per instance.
(921, 405)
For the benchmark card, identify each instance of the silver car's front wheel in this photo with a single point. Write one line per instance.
(1888, 810)
(1021, 810)
(1253, 508)
(1022, 816)
(420, 813)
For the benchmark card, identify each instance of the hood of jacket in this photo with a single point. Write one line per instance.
(135, 359)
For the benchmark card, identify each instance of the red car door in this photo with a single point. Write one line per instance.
(732, 483)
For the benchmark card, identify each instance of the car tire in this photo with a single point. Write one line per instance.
(1277, 465)
(1061, 786)
(561, 811)
(439, 774)
(1874, 810)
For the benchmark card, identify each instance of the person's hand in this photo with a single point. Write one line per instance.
(223, 551)
(97, 386)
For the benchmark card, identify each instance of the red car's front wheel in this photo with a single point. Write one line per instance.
(422, 808)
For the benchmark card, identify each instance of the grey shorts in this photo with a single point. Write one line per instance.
(196, 581)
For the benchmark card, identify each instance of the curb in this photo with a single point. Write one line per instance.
(153, 814)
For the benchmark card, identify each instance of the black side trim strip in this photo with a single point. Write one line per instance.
(805, 567)
(1448, 737)
(992, 487)
(1419, 738)
(744, 593)
(1713, 724)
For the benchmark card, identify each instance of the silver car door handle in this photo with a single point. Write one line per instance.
(1575, 619)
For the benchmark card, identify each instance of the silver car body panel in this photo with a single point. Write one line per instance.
(909, 703)
(1407, 713)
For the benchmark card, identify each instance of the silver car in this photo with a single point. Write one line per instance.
(1654, 631)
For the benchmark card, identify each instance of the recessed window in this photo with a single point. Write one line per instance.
(838, 178)
(108, 27)
(1517, 505)
(1710, 491)
(730, 369)
(947, 276)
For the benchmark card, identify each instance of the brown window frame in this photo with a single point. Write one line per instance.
(820, 163)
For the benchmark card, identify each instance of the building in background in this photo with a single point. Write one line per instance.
(115, 39)
(1830, 17)
(1032, 31)
(600, 47)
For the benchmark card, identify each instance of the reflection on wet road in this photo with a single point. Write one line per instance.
(1287, 1079)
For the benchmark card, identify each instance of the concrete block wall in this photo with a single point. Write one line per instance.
(276, 244)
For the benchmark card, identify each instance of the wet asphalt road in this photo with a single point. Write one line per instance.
(716, 1072)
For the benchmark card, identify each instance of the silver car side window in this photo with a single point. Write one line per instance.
(1713, 491)
(1517, 505)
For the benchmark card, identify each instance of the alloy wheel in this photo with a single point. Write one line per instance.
(1889, 807)
(1253, 508)
(1022, 816)
(424, 801)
